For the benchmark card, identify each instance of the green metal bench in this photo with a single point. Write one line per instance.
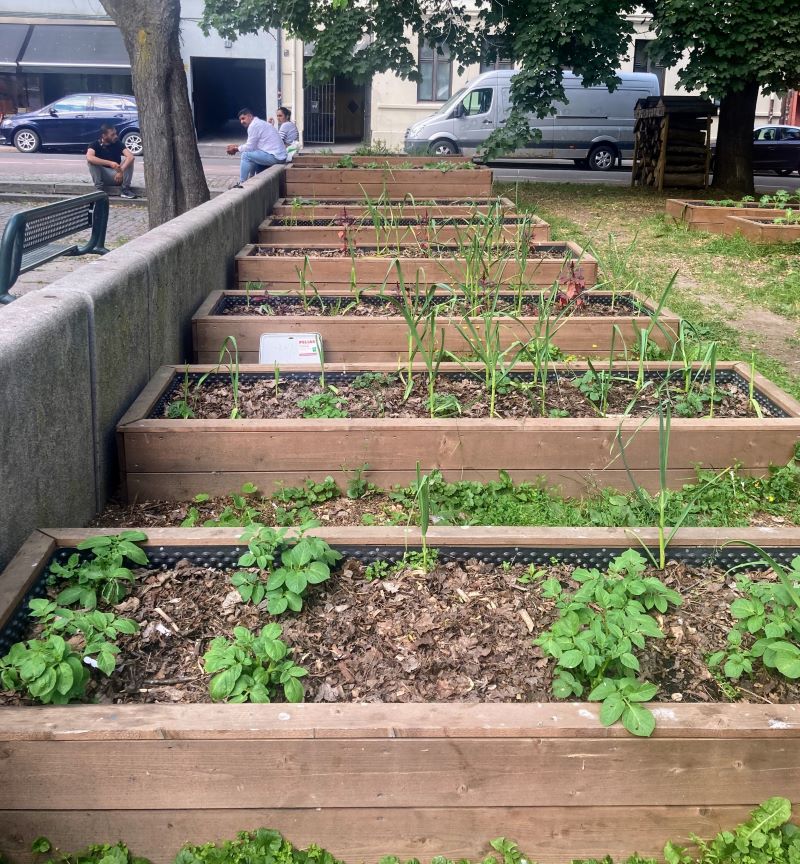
(30, 237)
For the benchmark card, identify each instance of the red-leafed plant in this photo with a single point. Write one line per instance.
(572, 284)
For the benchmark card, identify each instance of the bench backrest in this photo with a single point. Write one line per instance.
(40, 226)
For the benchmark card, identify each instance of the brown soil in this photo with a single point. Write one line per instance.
(316, 306)
(264, 397)
(433, 222)
(419, 250)
(462, 633)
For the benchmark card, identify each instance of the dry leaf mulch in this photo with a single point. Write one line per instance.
(462, 633)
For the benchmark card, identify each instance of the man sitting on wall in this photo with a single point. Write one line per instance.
(110, 162)
(264, 146)
(286, 129)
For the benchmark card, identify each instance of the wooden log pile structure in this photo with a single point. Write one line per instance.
(672, 141)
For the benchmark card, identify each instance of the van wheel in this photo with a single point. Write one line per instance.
(443, 147)
(602, 157)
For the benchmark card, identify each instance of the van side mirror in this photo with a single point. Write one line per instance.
(459, 111)
(53, 112)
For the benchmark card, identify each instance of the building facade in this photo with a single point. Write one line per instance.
(390, 104)
(49, 48)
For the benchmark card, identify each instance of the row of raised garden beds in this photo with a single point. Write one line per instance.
(443, 697)
(775, 220)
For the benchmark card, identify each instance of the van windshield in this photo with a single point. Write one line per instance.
(447, 107)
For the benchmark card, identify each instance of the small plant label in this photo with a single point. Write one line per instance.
(302, 349)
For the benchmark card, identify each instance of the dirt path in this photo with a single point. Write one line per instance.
(760, 329)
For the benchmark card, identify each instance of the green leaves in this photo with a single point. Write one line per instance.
(45, 669)
(252, 668)
(767, 624)
(304, 560)
(104, 576)
(595, 637)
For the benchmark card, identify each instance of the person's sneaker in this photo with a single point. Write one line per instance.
(128, 193)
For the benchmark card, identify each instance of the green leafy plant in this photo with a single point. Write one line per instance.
(238, 512)
(181, 409)
(597, 632)
(99, 630)
(263, 846)
(765, 838)
(97, 853)
(105, 574)
(293, 503)
(44, 669)
(286, 565)
(252, 668)
(767, 625)
(326, 404)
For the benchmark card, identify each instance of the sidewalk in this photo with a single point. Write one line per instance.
(124, 223)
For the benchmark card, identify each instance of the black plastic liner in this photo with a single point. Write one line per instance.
(226, 557)
(724, 377)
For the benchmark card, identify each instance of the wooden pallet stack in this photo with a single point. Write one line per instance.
(672, 145)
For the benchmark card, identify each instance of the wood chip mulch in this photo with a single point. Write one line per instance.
(462, 633)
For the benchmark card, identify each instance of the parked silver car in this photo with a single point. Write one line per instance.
(593, 127)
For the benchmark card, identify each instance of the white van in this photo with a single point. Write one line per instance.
(594, 126)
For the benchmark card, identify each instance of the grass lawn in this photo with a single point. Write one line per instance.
(744, 295)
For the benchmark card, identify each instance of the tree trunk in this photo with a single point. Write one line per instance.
(733, 161)
(172, 168)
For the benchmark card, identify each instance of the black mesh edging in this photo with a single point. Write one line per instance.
(226, 557)
(227, 302)
(174, 390)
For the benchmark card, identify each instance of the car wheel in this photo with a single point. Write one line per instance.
(784, 172)
(442, 147)
(133, 142)
(27, 141)
(602, 157)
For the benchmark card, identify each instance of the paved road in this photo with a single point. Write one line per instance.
(222, 171)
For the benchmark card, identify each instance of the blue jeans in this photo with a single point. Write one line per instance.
(254, 161)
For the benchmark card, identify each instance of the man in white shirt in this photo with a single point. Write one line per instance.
(264, 146)
(286, 128)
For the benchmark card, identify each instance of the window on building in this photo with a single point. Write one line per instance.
(642, 62)
(499, 62)
(436, 70)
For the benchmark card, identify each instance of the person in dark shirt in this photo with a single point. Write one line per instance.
(110, 162)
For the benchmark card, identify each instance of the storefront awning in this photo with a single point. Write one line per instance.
(12, 38)
(77, 48)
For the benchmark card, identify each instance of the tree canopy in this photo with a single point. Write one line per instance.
(735, 48)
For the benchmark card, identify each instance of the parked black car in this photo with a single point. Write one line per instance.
(74, 121)
(775, 148)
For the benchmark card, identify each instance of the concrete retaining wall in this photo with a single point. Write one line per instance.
(74, 356)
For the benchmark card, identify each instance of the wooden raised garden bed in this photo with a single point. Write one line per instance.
(323, 160)
(167, 459)
(421, 182)
(307, 208)
(704, 216)
(338, 271)
(763, 229)
(410, 779)
(351, 338)
(410, 231)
